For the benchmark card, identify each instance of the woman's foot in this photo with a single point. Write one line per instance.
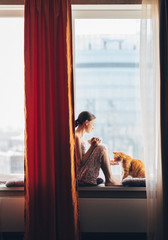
(112, 183)
(99, 181)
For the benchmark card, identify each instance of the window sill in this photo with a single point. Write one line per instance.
(102, 191)
(11, 191)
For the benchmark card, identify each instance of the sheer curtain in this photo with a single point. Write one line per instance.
(150, 95)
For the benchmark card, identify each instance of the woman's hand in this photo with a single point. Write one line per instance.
(112, 162)
(94, 141)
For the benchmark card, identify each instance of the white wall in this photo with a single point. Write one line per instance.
(113, 215)
(12, 214)
(96, 214)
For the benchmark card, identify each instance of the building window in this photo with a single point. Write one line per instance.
(107, 75)
(11, 91)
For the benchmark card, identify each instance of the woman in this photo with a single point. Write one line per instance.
(89, 162)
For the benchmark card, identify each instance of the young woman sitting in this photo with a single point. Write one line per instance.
(89, 162)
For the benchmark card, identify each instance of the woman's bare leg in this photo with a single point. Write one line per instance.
(105, 166)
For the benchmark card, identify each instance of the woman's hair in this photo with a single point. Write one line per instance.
(83, 116)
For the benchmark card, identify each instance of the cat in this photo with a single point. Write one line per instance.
(131, 166)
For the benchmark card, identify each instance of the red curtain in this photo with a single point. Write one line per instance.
(51, 198)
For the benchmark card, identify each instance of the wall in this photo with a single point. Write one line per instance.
(96, 214)
(12, 214)
(113, 215)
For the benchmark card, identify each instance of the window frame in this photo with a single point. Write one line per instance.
(84, 2)
(11, 2)
(89, 192)
(7, 11)
(112, 11)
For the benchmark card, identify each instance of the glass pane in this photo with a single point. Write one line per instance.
(107, 82)
(11, 96)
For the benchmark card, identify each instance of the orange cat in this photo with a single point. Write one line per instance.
(131, 166)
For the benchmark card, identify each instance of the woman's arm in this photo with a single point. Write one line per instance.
(78, 150)
(88, 153)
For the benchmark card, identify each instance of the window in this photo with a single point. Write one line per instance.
(107, 77)
(11, 91)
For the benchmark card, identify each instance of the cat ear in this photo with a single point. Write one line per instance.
(114, 152)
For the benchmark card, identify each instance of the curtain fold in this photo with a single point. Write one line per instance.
(51, 196)
(164, 107)
(150, 96)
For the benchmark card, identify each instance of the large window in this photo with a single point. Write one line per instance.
(11, 91)
(107, 76)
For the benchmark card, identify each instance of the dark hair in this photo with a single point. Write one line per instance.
(83, 116)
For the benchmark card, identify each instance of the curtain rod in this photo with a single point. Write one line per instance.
(21, 2)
